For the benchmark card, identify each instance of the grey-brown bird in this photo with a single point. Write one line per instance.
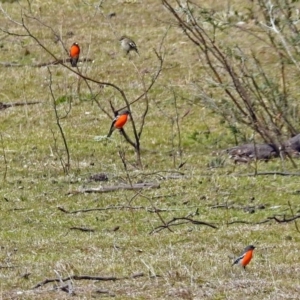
(128, 44)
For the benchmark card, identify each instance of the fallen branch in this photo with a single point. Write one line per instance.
(269, 219)
(185, 221)
(7, 267)
(87, 277)
(76, 277)
(10, 64)
(7, 105)
(106, 292)
(267, 173)
(284, 220)
(108, 189)
(82, 229)
(148, 209)
(248, 208)
(247, 222)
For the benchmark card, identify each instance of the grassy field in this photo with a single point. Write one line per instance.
(48, 232)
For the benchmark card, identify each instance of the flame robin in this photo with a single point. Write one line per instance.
(245, 256)
(119, 121)
(74, 54)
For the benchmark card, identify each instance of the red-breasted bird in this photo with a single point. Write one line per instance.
(245, 256)
(128, 44)
(119, 121)
(74, 54)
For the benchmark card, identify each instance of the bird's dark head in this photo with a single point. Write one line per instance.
(250, 247)
(125, 112)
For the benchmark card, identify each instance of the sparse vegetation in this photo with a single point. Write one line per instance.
(172, 242)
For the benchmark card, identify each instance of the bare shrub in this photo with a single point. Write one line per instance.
(249, 81)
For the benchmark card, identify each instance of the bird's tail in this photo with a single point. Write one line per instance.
(110, 131)
(74, 62)
(237, 260)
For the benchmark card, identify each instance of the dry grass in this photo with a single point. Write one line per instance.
(193, 261)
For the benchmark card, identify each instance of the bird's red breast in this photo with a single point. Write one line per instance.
(121, 121)
(74, 51)
(247, 258)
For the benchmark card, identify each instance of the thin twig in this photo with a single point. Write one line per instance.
(66, 166)
(123, 159)
(157, 212)
(292, 212)
(4, 157)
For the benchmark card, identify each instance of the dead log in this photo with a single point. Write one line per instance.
(248, 152)
(292, 145)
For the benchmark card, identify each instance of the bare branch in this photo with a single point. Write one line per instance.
(66, 166)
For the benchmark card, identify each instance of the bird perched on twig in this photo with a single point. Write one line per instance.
(119, 121)
(245, 256)
(128, 44)
(74, 54)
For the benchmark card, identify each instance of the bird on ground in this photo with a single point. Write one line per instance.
(128, 44)
(74, 54)
(245, 256)
(119, 121)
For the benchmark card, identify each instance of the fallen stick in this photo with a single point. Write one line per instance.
(76, 277)
(87, 277)
(185, 220)
(107, 189)
(82, 229)
(120, 207)
(7, 105)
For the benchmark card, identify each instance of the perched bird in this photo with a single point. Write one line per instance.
(128, 44)
(74, 54)
(245, 256)
(119, 121)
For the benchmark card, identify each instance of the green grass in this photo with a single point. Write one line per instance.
(193, 261)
